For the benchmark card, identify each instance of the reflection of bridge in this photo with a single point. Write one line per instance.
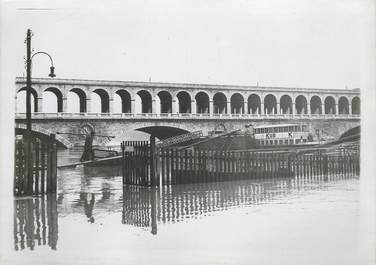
(167, 109)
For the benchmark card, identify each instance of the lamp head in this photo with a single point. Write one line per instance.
(52, 72)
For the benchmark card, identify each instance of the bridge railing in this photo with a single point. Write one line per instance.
(163, 116)
(180, 139)
(60, 138)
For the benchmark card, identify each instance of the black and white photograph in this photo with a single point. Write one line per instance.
(187, 132)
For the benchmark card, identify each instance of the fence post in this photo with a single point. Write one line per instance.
(54, 164)
(169, 165)
(326, 165)
(27, 152)
(30, 176)
(43, 166)
(122, 145)
(37, 165)
(154, 177)
(164, 168)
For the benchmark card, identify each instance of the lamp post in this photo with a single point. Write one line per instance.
(28, 158)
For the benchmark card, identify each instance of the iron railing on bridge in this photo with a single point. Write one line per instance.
(66, 115)
(180, 139)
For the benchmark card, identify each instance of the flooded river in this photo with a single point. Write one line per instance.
(93, 219)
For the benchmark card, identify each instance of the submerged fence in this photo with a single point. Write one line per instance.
(40, 176)
(146, 166)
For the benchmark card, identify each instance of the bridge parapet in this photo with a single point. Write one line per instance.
(186, 116)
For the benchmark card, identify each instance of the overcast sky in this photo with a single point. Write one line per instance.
(302, 43)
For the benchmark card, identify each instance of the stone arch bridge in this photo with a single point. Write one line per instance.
(167, 127)
(168, 109)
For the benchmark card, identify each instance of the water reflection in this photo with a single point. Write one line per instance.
(92, 194)
(94, 198)
(35, 222)
(86, 201)
(146, 207)
(105, 171)
(139, 207)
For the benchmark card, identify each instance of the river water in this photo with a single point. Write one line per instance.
(93, 219)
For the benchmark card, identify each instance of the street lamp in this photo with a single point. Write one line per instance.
(52, 68)
(29, 57)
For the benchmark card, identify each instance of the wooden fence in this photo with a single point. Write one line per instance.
(147, 166)
(138, 163)
(43, 169)
(187, 166)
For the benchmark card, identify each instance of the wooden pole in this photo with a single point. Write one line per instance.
(28, 162)
(49, 166)
(30, 181)
(37, 165)
(122, 145)
(54, 164)
(154, 177)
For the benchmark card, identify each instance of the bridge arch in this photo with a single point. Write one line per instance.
(270, 104)
(354, 131)
(301, 104)
(237, 103)
(146, 101)
(184, 99)
(165, 100)
(125, 100)
(104, 99)
(286, 104)
(343, 105)
(254, 104)
(43, 133)
(316, 105)
(58, 95)
(162, 132)
(330, 105)
(220, 103)
(202, 102)
(21, 100)
(76, 92)
(355, 105)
